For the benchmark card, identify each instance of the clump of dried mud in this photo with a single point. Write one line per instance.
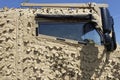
(25, 56)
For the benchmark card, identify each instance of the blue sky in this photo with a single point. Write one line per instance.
(114, 6)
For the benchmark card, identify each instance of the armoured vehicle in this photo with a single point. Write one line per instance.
(81, 19)
(58, 42)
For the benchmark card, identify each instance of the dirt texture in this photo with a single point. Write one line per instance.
(25, 56)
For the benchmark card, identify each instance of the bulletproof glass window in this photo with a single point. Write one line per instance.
(73, 30)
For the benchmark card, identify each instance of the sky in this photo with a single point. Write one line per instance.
(114, 6)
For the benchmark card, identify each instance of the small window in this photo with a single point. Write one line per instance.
(62, 30)
(78, 31)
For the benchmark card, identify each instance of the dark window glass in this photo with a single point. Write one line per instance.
(69, 30)
(63, 30)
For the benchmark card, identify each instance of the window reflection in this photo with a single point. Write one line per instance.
(68, 30)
